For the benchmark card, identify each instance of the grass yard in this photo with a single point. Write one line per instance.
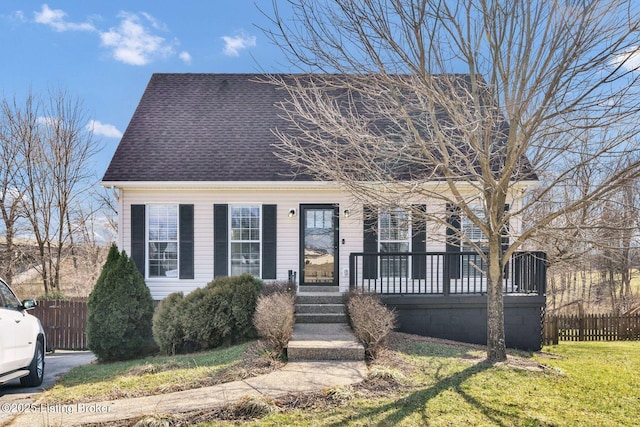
(417, 381)
(160, 374)
(572, 384)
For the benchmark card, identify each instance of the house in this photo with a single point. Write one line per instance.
(202, 194)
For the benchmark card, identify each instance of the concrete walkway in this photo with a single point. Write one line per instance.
(295, 377)
(324, 341)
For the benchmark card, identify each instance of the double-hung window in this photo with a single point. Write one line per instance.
(394, 236)
(473, 264)
(162, 241)
(245, 240)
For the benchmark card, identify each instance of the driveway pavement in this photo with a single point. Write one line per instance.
(13, 396)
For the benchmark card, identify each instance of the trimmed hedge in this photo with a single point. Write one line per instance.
(167, 325)
(220, 313)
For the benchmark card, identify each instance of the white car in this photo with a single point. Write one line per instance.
(22, 342)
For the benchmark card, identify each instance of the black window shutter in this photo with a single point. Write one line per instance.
(453, 240)
(220, 240)
(186, 241)
(370, 243)
(138, 236)
(419, 242)
(269, 238)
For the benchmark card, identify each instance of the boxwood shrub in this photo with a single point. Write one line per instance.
(220, 313)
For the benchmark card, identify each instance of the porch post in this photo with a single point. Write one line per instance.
(446, 272)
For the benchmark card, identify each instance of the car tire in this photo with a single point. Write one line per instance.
(36, 368)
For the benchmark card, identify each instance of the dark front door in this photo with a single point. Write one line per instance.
(319, 244)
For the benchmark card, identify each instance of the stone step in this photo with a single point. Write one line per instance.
(321, 318)
(327, 341)
(310, 288)
(319, 298)
(319, 308)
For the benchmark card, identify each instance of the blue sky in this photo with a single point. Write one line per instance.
(104, 52)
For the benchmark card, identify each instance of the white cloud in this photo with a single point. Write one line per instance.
(103, 129)
(47, 121)
(55, 18)
(233, 45)
(133, 43)
(18, 16)
(629, 60)
(185, 57)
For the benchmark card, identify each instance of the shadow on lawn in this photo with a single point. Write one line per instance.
(396, 411)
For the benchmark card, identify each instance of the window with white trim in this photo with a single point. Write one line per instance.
(245, 240)
(472, 265)
(162, 241)
(394, 236)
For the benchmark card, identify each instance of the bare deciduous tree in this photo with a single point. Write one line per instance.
(50, 172)
(11, 130)
(459, 102)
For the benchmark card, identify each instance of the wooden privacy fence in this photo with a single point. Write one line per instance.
(591, 327)
(64, 323)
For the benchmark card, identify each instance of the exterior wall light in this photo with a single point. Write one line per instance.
(292, 213)
(346, 213)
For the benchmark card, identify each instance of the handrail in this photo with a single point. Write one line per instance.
(443, 273)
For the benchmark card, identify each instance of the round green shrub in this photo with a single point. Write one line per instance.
(119, 325)
(167, 324)
(220, 313)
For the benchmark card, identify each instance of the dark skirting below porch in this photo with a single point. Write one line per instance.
(464, 317)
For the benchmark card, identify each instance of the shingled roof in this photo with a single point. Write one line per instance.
(209, 128)
(202, 127)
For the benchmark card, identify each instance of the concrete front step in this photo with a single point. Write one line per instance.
(319, 308)
(309, 288)
(321, 318)
(327, 341)
(319, 298)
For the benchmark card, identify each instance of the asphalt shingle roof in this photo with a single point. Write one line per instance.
(202, 127)
(210, 128)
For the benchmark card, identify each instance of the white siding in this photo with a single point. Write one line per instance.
(287, 237)
(288, 244)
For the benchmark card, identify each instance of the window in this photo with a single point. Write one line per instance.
(7, 298)
(245, 240)
(163, 241)
(394, 236)
(473, 264)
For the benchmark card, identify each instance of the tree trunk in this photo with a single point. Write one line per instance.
(496, 345)
(9, 253)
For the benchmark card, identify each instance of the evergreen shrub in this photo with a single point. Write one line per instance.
(167, 325)
(220, 313)
(119, 325)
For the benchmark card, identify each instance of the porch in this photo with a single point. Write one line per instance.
(443, 273)
(444, 294)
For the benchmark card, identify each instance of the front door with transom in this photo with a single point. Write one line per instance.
(319, 230)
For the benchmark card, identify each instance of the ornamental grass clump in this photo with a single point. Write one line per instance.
(371, 321)
(274, 319)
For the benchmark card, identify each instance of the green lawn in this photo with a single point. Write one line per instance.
(161, 374)
(582, 384)
(571, 384)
